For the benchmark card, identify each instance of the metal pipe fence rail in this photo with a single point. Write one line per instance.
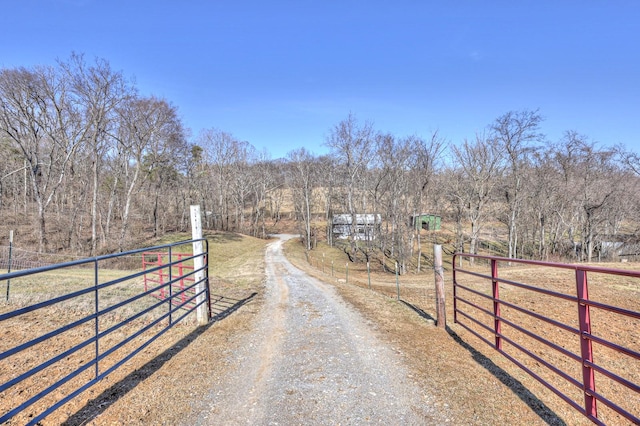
(67, 326)
(570, 327)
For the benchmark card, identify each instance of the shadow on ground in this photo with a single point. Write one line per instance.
(221, 308)
(222, 237)
(538, 407)
(419, 311)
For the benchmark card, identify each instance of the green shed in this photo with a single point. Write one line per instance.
(430, 222)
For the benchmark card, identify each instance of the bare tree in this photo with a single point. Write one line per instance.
(397, 159)
(429, 153)
(591, 181)
(480, 168)
(351, 145)
(265, 180)
(12, 168)
(164, 155)
(38, 115)
(150, 134)
(515, 132)
(116, 165)
(198, 178)
(99, 91)
(328, 182)
(455, 190)
(222, 150)
(301, 179)
(629, 159)
(242, 181)
(543, 204)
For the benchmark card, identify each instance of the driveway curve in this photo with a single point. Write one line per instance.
(311, 359)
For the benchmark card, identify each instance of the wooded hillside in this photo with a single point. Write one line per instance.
(88, 165)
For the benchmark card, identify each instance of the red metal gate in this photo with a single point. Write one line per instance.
(159, 276)
(556, 331)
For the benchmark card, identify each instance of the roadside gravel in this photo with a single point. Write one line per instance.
(312, 359)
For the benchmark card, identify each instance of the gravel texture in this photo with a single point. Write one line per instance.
(312, 359)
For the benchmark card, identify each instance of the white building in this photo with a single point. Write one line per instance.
(364, 228)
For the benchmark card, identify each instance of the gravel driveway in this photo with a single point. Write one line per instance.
(312, 360)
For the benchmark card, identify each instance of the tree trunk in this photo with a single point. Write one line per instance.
(42, 243)
(94, 206)
(155, 213)
(127, 206)
(419, 250)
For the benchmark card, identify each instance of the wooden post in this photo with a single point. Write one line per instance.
(369, 275)
(439, 277)
(202, 311)
(9, 264)
(397, 281)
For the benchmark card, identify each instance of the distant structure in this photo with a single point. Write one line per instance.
(365, 226)
(428, 221)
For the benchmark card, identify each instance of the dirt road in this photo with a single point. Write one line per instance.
(312, 360)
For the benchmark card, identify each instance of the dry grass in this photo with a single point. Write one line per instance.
(456, 375)
(467, 377)
(611, 290)
(229, 254)
(415, 289)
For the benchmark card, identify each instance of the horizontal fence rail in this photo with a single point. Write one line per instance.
(573, 328)
(67, 326)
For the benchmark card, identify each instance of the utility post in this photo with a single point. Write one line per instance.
(202, 311)
(439, 278)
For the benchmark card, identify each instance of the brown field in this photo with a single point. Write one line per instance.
(418, 293)
(476, 383)
(33, 289)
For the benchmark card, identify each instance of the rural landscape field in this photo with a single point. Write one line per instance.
(458, 368)
(324, 154)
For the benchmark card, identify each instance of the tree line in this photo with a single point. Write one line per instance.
(570, 199)
(89, 165)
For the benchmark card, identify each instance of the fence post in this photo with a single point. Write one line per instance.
(586, 349)
(171, 286)
(455, 290)
(96, 325)
(441, 319)
(495, 286)
(202, 312)
(397, 281)
(9, 265)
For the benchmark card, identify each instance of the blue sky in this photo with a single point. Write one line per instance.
(281, 74)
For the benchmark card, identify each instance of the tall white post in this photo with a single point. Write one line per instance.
(439, 278)
(202, 312)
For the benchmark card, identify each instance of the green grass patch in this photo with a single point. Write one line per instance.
(235, 261)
